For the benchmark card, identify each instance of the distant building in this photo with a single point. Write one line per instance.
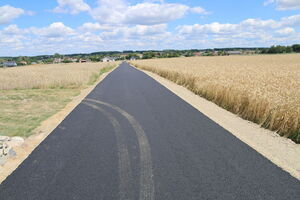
(73, 60)
(9, 64)
(82, 61)
(23, 63)
(197, 53)
(108, 59)
(234, 52)
(57, 60)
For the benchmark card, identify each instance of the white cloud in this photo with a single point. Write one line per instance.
(90, 27)
(258, 23)
(8, 13)
(198, 10)
(248, 25)
(12, 38)
(71, 6)
(284, 4)
(54, 30)
(89, 37)
(12, 29)
(147, 13)
(213, 28)
(286, 31)
(150, 13)
(250, 32)
(136, 32)
(94, 36)
(291, 21)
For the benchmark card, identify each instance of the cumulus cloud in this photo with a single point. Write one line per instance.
(147, 13)
(284, 4)
(12, 29)
(249, 32)
(8, 13)
(261, 24)
(12, 37)
(54, 30)
(95, 36)
(71, 6)
(286, 31)
(291, 21)
(136, 32)
(198, 10)
(245, 25)
(213, 28)
(90, 27)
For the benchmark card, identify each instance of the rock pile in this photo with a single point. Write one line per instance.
(6, 147)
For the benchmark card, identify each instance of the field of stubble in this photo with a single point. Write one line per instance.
(264, 89)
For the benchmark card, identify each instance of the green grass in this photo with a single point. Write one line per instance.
(22, 110)
(95, 76)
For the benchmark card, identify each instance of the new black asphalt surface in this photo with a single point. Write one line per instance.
(131, 138)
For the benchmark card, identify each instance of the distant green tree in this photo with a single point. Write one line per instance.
(296, 48)
(189, 54)
(277, 49)
(66, 61)
(56, 55)
(48, 60)
(288, 49)
(148, 55)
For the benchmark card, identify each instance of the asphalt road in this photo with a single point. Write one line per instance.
(131, 138)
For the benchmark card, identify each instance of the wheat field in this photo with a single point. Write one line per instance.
(264, 89)
(71, 75)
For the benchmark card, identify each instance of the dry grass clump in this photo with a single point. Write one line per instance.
(50, 76)
(262, 89)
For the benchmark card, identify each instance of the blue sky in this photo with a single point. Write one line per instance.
(35, 27)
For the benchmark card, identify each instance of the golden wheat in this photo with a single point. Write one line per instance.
(263, 89)
(49, 76)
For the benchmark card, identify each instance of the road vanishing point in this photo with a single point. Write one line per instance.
(133, 139)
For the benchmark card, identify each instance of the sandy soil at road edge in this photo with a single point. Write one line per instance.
(281, 151)
(41, 132)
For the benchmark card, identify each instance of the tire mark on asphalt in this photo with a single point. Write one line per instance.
(146, 173)
(125, 175)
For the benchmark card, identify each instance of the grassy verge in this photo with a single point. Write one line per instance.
(22, 110)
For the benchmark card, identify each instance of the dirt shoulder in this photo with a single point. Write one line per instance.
(41, 132)
(281, 151)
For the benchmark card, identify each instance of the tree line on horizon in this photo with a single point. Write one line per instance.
(148, 54)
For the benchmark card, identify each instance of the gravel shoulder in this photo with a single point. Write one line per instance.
(281, 151)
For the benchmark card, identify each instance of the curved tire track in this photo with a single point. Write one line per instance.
(146, 173)
(125, 174)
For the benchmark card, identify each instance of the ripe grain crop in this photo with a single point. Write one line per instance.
(264, 89)
(50, 76)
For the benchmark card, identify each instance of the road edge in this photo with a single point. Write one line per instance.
(46, 127)
(283, 152)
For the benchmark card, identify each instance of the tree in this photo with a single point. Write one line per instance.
(148, 55)
(56, 55)
(288, 49)
(296, 48)
(277, 49)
